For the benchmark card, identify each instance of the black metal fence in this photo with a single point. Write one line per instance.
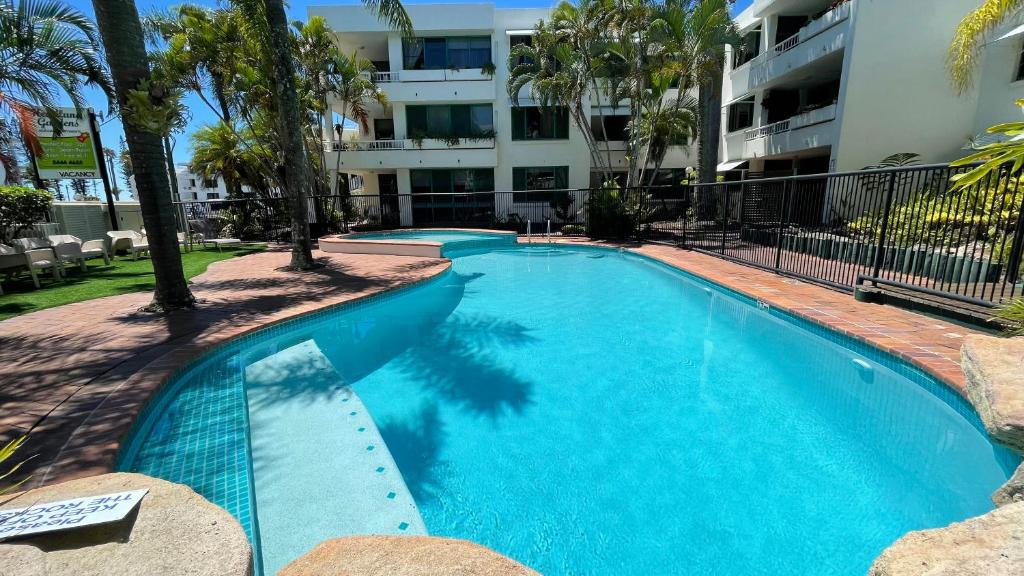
(901, 228)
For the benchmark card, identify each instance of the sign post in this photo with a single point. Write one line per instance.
(98, 145)
(76, 154)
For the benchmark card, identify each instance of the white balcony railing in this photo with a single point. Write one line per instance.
(410, 144)
(809, 118)
(810, 30)
(433, 75)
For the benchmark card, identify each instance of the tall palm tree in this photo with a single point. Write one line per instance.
(126, 55)
(267, 23)
(218, 151)
(202, 47)
(46, 49)
(965, 49)
(350, 79)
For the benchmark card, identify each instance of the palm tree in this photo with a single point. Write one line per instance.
(126, 54)
(218, 151)
(267, 25)
(46, 49)
(200, 47)
(965, 49)
(350, 79)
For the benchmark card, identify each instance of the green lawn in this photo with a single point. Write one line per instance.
(120, 277)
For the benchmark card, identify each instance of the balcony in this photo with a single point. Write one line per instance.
(811, 129)
(819, 38)
(421, 86)
(409, 153)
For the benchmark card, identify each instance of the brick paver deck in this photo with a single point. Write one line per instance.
(77, 375)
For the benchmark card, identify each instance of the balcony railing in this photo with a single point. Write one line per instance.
(809, 118)
(810, 30)
(411, 144)
(433, 75)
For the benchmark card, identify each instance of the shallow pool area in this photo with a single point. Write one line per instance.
(582, 410)
(413, 242)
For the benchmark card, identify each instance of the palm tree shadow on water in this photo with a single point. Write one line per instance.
(456, 362)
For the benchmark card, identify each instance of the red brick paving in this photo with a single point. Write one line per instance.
(60, 367)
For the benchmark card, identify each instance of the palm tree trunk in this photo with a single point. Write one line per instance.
(126, 55)
(710, 102)
(290, 124)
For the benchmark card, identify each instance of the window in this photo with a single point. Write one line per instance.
(209, 183)
(213, 196)
(1020, 65)
(459, 120)
(445, 181)
(741, 114)
(747, 48)
(192, 182)
(439, 53)
(533, 123)
(614, 127)
(539, 178)
(520, 39)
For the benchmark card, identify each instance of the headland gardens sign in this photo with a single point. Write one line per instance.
(73, 513)
(72, 154)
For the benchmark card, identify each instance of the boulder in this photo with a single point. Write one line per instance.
(173, 531)
(994, 368)
(403, 556)
(987, 545)
(1012, 491)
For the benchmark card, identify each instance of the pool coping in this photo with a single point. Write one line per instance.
(351, 243)
(101, 445)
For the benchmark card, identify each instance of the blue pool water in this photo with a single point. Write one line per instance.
(582, 410)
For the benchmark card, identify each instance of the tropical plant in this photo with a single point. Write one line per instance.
(46, 49)
(1013, 315)
(145, 102)
(20, 208)
(647, 57)
(219, 152)
(6, 453)
(968, 40)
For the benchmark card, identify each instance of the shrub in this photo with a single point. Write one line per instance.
(1013, 315)
(573, 230)
(20, 208)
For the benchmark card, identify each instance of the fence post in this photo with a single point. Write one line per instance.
(1016, 249)
(783, 209)
(876, 268)
(725, 216)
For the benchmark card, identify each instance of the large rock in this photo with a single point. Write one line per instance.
(994, 368)
(173, 531)
(1012, 491)
(403, 556)
(988, 545)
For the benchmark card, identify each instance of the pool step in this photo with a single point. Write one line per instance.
(303, 416)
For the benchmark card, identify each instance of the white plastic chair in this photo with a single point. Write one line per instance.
(129, 241)
(88, 250)
(12, 260)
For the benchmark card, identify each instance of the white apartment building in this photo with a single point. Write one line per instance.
(821, 85)
(440, 83)
(193, 186)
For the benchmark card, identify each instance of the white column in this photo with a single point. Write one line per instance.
(404, 200)
(395, 52)
(398, 118)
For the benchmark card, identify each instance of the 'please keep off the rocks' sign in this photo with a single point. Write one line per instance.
(52, 516)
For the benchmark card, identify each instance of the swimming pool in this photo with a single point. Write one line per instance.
(579, 409)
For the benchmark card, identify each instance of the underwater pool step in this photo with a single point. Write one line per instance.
(303, 416)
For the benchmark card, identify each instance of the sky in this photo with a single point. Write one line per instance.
(111, 131)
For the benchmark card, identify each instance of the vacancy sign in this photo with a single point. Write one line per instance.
(72, 155)
(66, 514)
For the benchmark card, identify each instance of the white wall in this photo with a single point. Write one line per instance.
(997, 89)
(896, 95)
